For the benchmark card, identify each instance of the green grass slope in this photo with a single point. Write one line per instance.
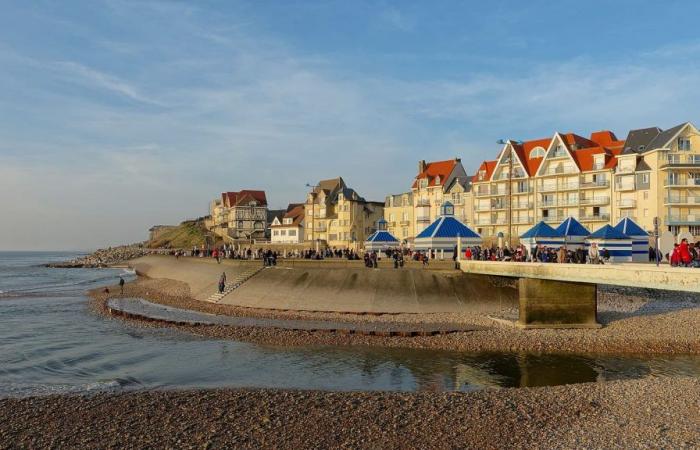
(186, 235)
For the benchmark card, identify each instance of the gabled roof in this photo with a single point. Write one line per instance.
(608, 232)
(382, 236)
(541, 230)
(436, 169)
(630, 228)
(572, 227)
(663, 138)
(584, 157)
(486, 166)
(231, 199)
(642, 166)
(273, 214)
(640, 139)
(605, 138)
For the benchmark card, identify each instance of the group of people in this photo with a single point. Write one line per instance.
(539, 253)
(685, 254)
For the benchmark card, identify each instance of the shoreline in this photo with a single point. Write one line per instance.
(658, 332)
(646, 413)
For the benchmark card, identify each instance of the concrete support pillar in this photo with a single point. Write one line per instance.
(557, 304)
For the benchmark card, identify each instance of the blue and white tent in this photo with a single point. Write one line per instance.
(444, 232)
(543, 234)
(381, 240)
(640, 238)
(574, 233)
(616, 242)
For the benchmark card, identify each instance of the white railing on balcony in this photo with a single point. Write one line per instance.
(683, 219)
(594, 217)
(624, 187)
(683, 159)
(569, 186)
(422, 219)
(682, 182)
(688, 200)
(595, 184)
(594, 201)
(547, 187)
(627, 203)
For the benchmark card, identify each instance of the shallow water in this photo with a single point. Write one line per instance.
(52, 343)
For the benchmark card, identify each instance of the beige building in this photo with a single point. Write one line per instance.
(337, 216)
(430, 187)
(658, 175)
(240, 215)
(289, 228)
(398, 213)
(546, 179)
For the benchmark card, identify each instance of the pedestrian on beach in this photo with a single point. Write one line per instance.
(222, 283)
(121, 285)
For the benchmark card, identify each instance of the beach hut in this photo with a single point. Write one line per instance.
(442, 235)
(381, 239)
(617, 243)
(640, 238)
(543, 234)
(574, 233)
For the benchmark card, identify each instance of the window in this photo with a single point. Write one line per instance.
(675, 229)
(537, 152)
(598, 162)
(423, 183)
(283, 232)
(292, 232)
(642, 148)
(482, 175)
(646, 195)
(683, 144)
(287, 220)
(694, 230)
(646, 212)
(437, 179)
(276, 233)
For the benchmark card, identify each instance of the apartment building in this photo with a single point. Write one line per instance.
(337, 216)
(289, 228)
(430, 187)
(398, 214)
(546, 179)
(240, 215)
(658, 175)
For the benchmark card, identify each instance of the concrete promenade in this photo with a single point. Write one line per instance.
(627, 274)
(337, 285)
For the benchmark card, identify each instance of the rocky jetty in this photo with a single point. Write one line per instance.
(106, 257)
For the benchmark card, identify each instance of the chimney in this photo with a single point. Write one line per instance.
(421, 166)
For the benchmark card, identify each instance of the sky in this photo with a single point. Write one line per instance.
(119, 115)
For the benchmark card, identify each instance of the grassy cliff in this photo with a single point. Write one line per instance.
(186, 235)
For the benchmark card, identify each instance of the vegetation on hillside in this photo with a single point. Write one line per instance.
(186, 235)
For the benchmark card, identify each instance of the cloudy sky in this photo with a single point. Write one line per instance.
(117, 115)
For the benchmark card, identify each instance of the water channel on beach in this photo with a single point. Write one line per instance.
(52, 343)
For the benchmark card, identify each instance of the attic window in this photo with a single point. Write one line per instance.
(437, 179)
(683, 143)
(424, 182)
(642, 148)
(537, 152)
(482, 175)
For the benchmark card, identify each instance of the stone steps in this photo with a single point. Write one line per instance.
(235, 284)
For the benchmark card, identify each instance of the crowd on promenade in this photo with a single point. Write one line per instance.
(539, 253)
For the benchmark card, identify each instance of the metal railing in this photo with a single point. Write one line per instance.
(683, 159)
(682, 182)
(627, 203)
(594, 201)
(683, 219)
(595, 217)
(595, 184)
(689, 200)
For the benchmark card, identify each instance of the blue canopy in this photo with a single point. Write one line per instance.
(381, 236)
(541, 230)
(608, 232)
(447, 227)
(630, 228)
(572, 227)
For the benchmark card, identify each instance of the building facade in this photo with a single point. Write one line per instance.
(289, 228)
(338, 217)
(398, 214)
(240, 215)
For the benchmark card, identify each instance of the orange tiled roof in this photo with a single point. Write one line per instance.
(523, 151)
(487, 166)
(443, 169)
(231, 199)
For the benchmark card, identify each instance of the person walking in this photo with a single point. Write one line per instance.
(593, 254)
(121, 285)
(222, 283)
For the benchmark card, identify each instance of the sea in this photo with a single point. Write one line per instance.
(51, 342)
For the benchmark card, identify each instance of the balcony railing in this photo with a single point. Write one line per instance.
(682, 182)
(595, 184)
(594, 201)
(422, 203)
(627, 203)
(603, 217)
(552, 218)
(483, 192)
(405, 223)
(689, 200)
(624, 187)
(682, 160)
(522, 220)
(683, 219)
(422, 219)
(569, 186)
(522, 205)
(547, 187)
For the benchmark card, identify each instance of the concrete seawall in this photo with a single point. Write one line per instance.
(339, 286)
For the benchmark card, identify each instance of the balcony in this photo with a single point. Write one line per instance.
(423, 203)
(595, 184)
(683, 219)
(602, 217)
(624, 187)
(548, 204)
(405, 223)
(523, 190)
(557, 171)
(422, 219)
(482, 192)
(689, 200)
(594, 201)
(677, 182)
(547, 187)
(522, 205)
(482, 222)
(553, 218)
(522, 220)
(569, 186)
(676, 160)
(627, 203)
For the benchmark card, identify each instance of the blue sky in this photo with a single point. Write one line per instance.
(117, 115)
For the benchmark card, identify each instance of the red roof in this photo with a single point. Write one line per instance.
(435, 169)
(523, 151)
(487, 166)
(295, 211)
(584, 157)
(605, 138)
(243, 197)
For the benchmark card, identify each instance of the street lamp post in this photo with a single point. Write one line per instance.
(313, 214)
(509, 192)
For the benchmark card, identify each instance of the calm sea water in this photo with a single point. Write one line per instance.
(52, 343)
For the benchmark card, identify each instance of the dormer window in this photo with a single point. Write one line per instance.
(642, 148)
(437, 179)
(423, 183)
(482, 175)
(537, 152)
(683, 144)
